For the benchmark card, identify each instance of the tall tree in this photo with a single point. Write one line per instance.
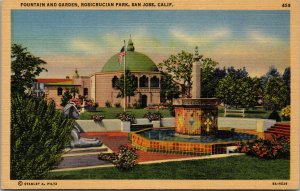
(169, 89)
(272, 72)
(287, 79)
(25, 67)
(179, 67)
(275, 93)
(238, 91)
(238, 73)
(210, 77)
(131, 85)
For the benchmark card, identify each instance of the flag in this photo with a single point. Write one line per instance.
(122, 53)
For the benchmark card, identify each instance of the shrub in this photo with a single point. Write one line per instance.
(286, 113)
(153, 116)
(91, 103)
(107, 104)
(124, 160)
(97, 118)
(39, 135)
(137, 105)
(117, 105)
(123, 116)
(278, 147)
(274, 115)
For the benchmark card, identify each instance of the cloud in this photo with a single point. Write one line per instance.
(262, 38)
(203, 38)
(81, 44)
(256, 55)
(254, 50)
(64, 65)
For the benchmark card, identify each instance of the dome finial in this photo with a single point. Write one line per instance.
(130, 46)
(76, 74)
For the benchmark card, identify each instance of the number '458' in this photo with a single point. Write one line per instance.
(286, 5)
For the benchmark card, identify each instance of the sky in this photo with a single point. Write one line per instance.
(86, 39)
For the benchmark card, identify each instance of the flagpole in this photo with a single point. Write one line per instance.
(124, 76)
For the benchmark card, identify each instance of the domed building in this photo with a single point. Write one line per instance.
(103, 84)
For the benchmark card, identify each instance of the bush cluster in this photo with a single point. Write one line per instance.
(124, 160)
(153, 116)
(277, 147)
(39, 135)
(107, 104)
(117, 105)
(91, 103)
(123, 116)
(275, 116)
(97, 118)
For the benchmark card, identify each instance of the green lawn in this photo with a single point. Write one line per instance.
(251, 113)
(234, 167)
(110, 113)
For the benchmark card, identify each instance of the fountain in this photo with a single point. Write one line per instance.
(196, 116)
(196, 125)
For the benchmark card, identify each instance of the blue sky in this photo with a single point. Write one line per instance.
(86, 39)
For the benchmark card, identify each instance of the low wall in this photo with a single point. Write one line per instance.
(260, 125)
(103, 126)
(168, 122)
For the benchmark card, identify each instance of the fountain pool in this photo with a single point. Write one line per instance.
(168, 141)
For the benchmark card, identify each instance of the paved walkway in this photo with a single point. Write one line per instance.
(114, 139)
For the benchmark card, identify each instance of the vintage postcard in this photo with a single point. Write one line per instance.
(137, 94)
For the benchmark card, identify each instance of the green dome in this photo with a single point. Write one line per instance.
(135, 61)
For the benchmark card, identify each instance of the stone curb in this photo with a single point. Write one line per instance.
(153, 162)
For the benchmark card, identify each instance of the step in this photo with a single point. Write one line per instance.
(283, 124)
(277, 129)
(88, 150)
(81, 161)
(280, 126)
(71, 152)
(275, 133)
(270, 136)
(278, 132)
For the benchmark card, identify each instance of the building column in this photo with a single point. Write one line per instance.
(138, 79)
(159, 80)
(149, 83)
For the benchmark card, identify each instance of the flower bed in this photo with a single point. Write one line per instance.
(153, 116)
(278, 147)
(97, 118)
(123, 116)
(124, 160)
